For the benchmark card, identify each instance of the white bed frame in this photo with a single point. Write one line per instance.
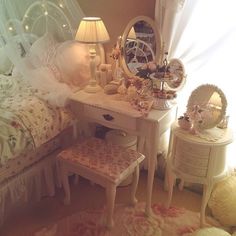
(40, 178)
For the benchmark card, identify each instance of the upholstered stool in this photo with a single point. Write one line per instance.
(103, 163)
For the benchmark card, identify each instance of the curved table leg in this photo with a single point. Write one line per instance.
(151, 172)
(207, 188)
(171, 180)
(153, 140)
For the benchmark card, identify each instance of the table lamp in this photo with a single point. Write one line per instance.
(92, 31)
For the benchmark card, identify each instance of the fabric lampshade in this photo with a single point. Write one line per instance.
(92, 30)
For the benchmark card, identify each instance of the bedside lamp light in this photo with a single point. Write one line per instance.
(92, 31)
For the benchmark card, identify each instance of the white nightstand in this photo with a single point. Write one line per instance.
(108, 111)
(196, 160)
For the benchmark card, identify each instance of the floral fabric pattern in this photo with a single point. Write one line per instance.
(26, 121)
(129, 221)
(26, 158)
(109, 160)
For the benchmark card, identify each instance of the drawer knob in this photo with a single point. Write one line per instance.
(108, 117)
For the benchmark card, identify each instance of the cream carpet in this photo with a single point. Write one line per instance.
(130, 221)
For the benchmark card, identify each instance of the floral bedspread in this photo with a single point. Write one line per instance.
(26, 121)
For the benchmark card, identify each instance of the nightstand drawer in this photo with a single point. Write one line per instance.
(188, 148)
(191, 159)
(107, 117)
(190, 170)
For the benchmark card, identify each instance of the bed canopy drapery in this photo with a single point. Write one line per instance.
(22, 22)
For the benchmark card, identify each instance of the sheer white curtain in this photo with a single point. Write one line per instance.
(202, 33)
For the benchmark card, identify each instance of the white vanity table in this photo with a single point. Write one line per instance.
(108, 111)
(196, 160)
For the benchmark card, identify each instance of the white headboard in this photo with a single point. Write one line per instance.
(26, 20)
(59, 17)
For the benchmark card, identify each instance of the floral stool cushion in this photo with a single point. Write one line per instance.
(108, 160)
(103, 163)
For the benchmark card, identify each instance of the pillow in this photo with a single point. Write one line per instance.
(223, 201)
(48, 63)
(211, 231)
(68, 61)
(43, 50)
(72, 60)
(5, 63)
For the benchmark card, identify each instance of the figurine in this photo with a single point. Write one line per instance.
(196, 119)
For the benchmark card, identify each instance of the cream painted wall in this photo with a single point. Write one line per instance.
(116, 14)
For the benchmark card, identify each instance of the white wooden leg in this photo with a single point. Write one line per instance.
(151, 172)
(134, 185)
(65, 184)
(166, 181)
(207, 188)
(110, 195)
(171, 180)
(181, 185)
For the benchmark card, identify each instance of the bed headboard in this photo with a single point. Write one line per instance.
(26, 20)
(59, 17)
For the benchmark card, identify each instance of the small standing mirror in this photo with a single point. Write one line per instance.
(177, 79)
(143, 57)
(207, 105)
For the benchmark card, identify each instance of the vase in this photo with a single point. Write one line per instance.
(118, 72)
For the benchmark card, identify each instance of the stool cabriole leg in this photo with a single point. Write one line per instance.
(65, 184)
(134, 185)
(110, 195)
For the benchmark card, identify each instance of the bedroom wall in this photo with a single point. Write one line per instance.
(116, 14)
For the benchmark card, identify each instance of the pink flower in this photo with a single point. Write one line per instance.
(15, 124)
(115, 54)
(87, 228)
(186, 229)
(167, 212)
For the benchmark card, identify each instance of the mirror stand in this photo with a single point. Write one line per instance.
(143, 57)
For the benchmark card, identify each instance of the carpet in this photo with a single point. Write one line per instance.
(129, 221)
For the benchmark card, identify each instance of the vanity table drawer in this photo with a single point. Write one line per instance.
(188, 148)
(110, 118)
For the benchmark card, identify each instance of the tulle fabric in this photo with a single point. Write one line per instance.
(54, 92)
(22, 23)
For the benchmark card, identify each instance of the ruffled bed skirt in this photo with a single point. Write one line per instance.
(32, 184)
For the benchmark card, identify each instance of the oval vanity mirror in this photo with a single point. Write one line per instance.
(141, 43)
(209, 103)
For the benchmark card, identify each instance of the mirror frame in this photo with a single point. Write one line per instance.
(194, 100)
(183, 77)
(158, 39)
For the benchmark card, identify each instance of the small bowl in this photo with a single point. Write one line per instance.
(184, 124)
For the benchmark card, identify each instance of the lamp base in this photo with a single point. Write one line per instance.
(92, 88)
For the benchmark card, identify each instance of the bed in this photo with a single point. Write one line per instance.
(35, 120)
